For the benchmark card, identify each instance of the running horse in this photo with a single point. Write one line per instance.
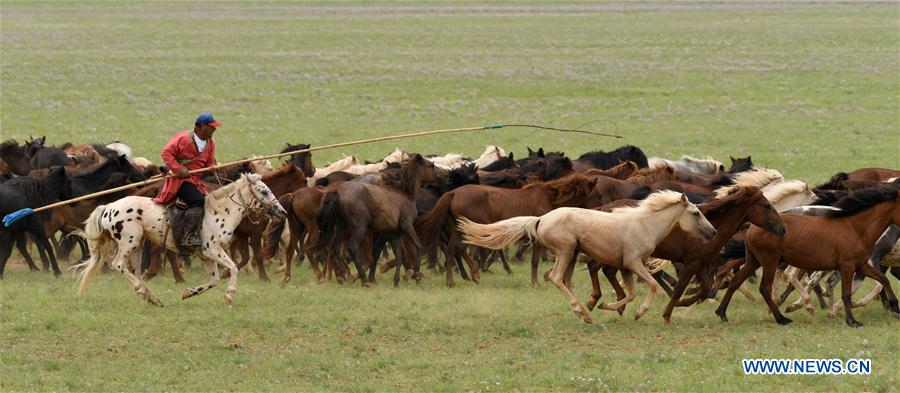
(122, 226)
(622, 239)
(850, 234)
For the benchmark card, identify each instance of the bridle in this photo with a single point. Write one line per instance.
(255, 213)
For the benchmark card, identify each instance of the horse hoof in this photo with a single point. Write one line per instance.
(228, 299)
(854, 324)
(186, 294)
(587, 319)
(667, 319)
(784, 321)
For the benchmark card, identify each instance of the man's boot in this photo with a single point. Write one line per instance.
(193, 218)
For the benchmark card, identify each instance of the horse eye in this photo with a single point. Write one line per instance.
(697, 213)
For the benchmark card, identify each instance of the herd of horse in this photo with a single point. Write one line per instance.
(619, 212)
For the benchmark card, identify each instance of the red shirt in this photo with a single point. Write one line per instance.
(181, 152)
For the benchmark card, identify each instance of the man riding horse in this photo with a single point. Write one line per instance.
(188, 151)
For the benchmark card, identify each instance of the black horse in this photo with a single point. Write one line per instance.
(740, 164)
(605, 160)
(301, 160)
(28, 192)
(41, 156)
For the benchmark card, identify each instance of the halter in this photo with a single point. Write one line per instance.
(255, 211)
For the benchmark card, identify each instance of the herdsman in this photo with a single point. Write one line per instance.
(187, 151)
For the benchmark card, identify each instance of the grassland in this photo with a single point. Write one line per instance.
(809, 89)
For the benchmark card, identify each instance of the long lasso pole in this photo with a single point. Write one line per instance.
(14, 216)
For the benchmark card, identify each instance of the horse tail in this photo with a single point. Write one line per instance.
(276, 228)
(430, 224)
(328, 218)
(98, 241)
(500, 234)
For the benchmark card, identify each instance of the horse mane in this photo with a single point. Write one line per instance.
(835, 183)
(648, 176)
(757, 177)
(657, 201)
(738, 196)
(605, 160)
(861, 200)
(465, 174)
(501, 164)
(41, 190)
(9, 146)
(570, 189)
(558, 165)
(781, 190)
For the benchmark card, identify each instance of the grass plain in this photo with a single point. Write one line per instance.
(806, 88)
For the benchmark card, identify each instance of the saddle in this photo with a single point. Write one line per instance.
(185, 226)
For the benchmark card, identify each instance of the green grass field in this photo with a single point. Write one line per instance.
(809, 89)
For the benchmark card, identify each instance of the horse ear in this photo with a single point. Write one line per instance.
(748, 158)
(530, 152)
(541, 152)
(511, 157)
(684, 199)
(732, 159)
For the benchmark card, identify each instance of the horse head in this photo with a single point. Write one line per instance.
(261, 196)
(694, 222)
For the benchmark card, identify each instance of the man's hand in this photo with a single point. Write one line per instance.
(184, 173)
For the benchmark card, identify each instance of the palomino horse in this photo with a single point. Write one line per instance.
(388, 209)
(122, 225)
(727, 215)
(622, 239)
(850, 234)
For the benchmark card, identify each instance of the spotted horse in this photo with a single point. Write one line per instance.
(119, 229)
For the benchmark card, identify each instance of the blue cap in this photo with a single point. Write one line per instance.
(207, 118)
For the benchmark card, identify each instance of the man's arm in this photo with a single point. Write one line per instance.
(169, 156)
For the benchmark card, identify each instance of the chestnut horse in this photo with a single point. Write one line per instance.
(850, 234)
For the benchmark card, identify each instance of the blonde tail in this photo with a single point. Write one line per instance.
(98, 242)
(500, 234)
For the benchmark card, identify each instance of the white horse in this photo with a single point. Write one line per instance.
(449, 161)
(491, 154)
(623, 239)
(787, 195)
(123, 150)
(120, 227)
(707, 166)
(396, 157)
(338, 165)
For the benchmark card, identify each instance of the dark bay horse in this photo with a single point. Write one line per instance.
(15, 158)
(28, 192)
(606, 160)
(388, 209)
(850, 234)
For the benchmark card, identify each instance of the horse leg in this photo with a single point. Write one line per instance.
(453, 246)
(665, 280)
(6, 244)
(687, 273)
(536, 250)
(520, 253)
(610, 273)
(876, 275)
(256, 245)
(567, 278)
(173, 262)
(20, 244)
(154, 260)
(846, 293)
(217, 254)
(504, 258)
(805, 299)
(596, 292)
(564, 258)
(473, 267)
(42, 241)
(398, 256)
(123, 257)
(212, 270)
(765, 289)
(630, 292)
(356, 237)
(750, 266)
(637, 266)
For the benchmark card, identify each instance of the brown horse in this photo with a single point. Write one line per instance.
(697, 257)
(624, 170)
(486, 204)
(356, 209)
(849, 233)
